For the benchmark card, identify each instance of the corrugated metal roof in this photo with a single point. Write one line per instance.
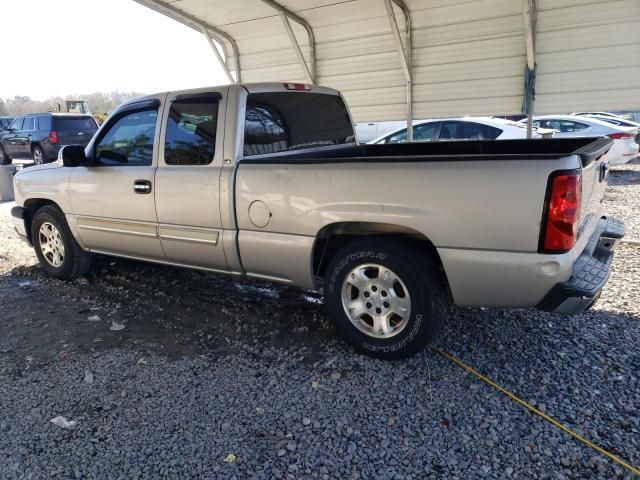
(468, 55)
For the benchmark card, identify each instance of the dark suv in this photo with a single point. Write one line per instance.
(40, 136)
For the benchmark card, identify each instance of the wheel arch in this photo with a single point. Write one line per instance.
(334, 236)
(31, 206)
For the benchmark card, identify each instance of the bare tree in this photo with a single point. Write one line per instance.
(99, 102)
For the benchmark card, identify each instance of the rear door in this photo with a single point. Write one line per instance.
(74, 130)
(112, 200)
(188, 179)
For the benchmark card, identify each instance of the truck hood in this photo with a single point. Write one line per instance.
(37, 168)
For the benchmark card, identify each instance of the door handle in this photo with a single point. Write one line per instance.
(142, 186)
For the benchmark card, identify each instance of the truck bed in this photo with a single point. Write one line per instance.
(588, 148)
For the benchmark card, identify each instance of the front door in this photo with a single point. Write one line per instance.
(188, 180)
(23, 139)
(113, 198)
(9, 142)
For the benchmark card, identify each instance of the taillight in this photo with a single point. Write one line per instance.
(618, 136)
(562, 211)
(53, 136)
(297, 86)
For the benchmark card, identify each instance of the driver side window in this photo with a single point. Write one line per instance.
(129, 141)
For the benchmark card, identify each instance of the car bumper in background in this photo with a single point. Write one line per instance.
(17, 215)
(623, 152)
(590, 272)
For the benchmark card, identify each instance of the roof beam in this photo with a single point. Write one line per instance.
(286, 15)
(405, 52)
(529, 16)
(190, 21)
(221, 60)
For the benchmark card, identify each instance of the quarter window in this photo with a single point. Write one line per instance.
(129, 141)
(191, 131)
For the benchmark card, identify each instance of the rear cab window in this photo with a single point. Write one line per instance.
(290, 121)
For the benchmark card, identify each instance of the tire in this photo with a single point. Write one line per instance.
(58, 252)
(394, 270)
(4, 158)
(38, 155)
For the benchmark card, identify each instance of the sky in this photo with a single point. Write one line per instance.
(64, 47)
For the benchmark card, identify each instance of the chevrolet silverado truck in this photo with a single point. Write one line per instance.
(269, 181)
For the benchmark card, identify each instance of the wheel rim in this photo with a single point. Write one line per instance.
(376, 300)
(51, 244)
(37, 156)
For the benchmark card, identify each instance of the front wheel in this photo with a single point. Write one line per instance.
(58, 252)
(4, 158)
(386, 297)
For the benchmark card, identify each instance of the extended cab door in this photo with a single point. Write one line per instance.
(112, 199)
(188, 179)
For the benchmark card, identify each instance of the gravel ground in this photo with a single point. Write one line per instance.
(215, 377)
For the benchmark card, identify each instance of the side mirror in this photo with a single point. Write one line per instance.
(72, 156)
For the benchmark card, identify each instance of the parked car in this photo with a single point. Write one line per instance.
(619, 122)
(467, 128)
(624, 116)
(40, 136)
(625, 148)
(267, 180)
(4, 123)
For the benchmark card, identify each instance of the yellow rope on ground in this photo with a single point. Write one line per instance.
(533, 409)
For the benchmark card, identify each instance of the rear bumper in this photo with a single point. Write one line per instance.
(590, 271)
(17, 215)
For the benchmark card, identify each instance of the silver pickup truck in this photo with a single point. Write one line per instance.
(268, 181)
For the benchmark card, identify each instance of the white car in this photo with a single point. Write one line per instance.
(620, 121)
(466, 128)
(625, 147)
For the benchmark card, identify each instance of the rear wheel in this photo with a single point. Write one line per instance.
(58, 252)
(38, 156)
(4, 158)
(387, 298)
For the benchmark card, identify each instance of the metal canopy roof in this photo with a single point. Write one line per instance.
(459, 57)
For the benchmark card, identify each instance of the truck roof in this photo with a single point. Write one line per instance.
(257, 87)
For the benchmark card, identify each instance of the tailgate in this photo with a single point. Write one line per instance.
(594, 183)
(74, 130)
